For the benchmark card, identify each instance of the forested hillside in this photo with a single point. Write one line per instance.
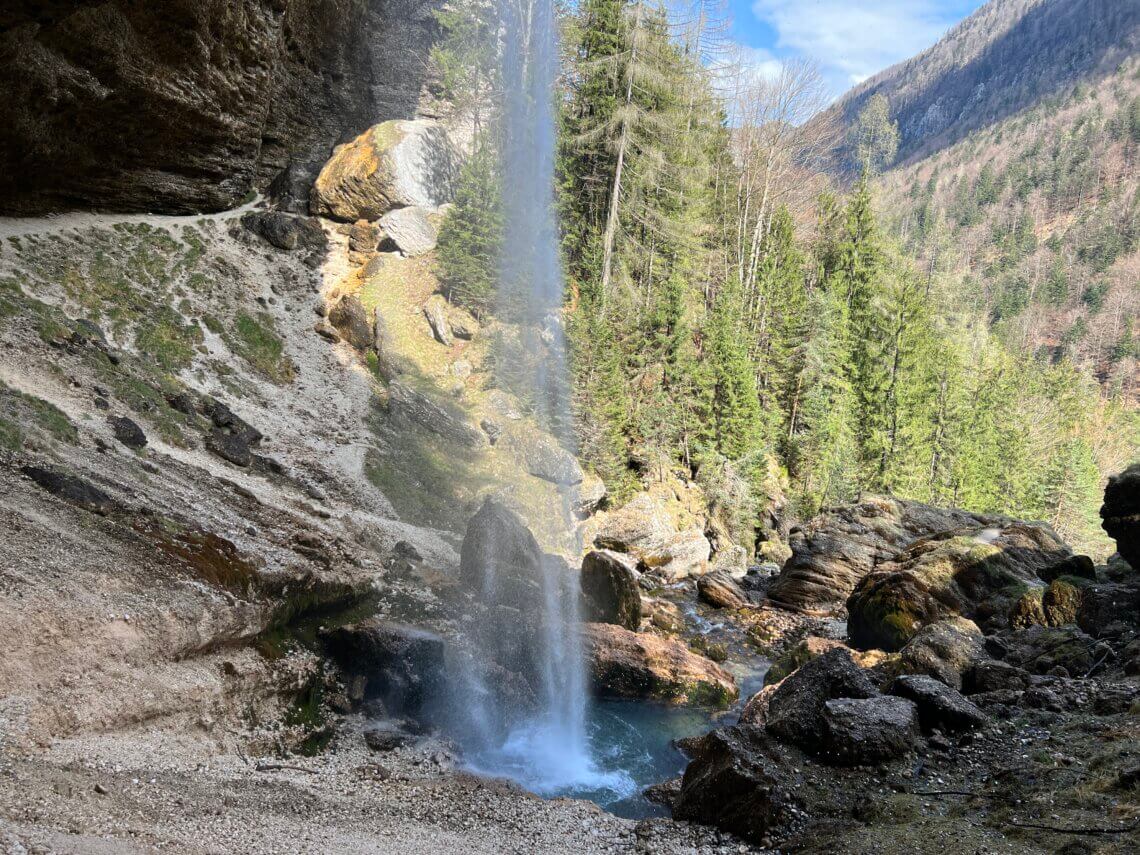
(734, 321)
(1007, 56)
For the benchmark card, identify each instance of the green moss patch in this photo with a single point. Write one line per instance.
(255, 339)
(22, 414)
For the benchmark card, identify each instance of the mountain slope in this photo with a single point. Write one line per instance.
(1005, 57)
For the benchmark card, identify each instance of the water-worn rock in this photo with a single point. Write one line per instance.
(364, 236)
(403, 666)
(811, 647)
(974, 573)
(943, 650)
(628, 664)
(737, 783)
(411, 229)
(351, 320)
(865, 731)
(541, 454)
(610, 592)
(939, 706)
(733, 560)
(392, 165)
(720, 590)
(1120, 513)
(500, 560)
(437, 415)
(644, 529)
(835, 550)
(795, 709)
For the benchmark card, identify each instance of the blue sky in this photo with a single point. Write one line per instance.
(850, 39)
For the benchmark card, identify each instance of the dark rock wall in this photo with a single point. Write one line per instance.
(182, 106)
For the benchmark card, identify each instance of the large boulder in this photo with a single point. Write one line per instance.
(286, 231)
(834, 551)
(395, 164)
(866, 731)
(402, 666)
(1121, 513)
(795, 709)
(737, 781)
(976, 573)
(944, 650)
(626, 664)
(939, 706)
(500, 561)
(541, 454)
(645, 529)
(413, 230)
(610, 592)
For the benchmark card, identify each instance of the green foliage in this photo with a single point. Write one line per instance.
(471, 238)
(256, 341)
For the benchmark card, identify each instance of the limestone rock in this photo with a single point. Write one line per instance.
(795, 709)
(644, 529)
(628, 664)
(463, 324)
(500, 560)
(939, 706)
(438, 416)
(732, 560)
(541, 455)
(588, 495)
(835, 550)
(610, 591)
(1121, 513)
(944, 650)
(738, 783)
(795, 656)
(392, 165)
(967, 572)
(720, 590)
(351, 320)
(184, 107)
(412, 230)
(992, 675)
(866, 731)
(435, 310)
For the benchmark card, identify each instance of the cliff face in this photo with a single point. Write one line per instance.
(187, 105)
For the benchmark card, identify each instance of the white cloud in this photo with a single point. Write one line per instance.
(759, 62)
(854, 39)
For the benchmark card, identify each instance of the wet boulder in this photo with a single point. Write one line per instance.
(392, 165)
(738, 781)
(624, 664)
(1120, 513)
(500, 561)
(866, 731)
(939, 706)
(795, 709)
(975, 573)
(833, 552)
(541, 455)
(610, 590)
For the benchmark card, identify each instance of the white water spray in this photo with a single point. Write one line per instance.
(545, 749)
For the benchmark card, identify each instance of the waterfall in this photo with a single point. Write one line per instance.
(546, 747)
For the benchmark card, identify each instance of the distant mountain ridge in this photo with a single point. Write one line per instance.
(1005, 57)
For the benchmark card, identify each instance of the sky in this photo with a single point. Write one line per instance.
(850, 39)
